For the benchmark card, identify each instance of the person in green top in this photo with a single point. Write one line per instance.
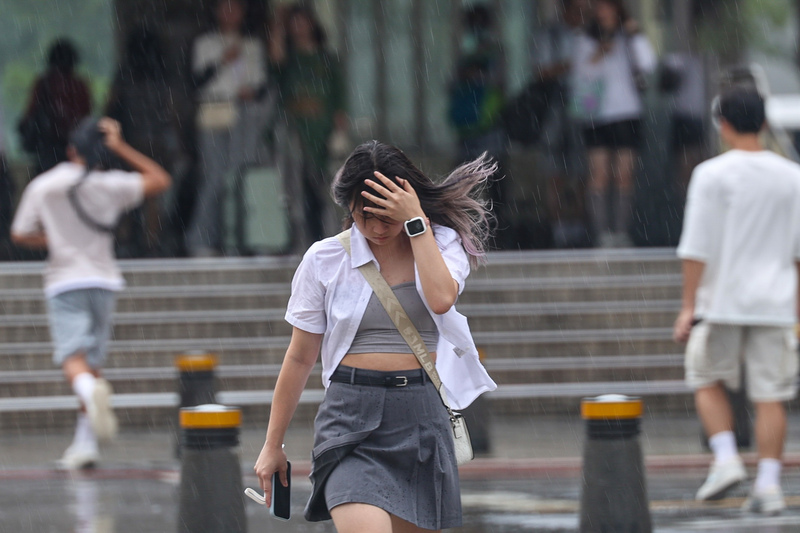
(312, 94)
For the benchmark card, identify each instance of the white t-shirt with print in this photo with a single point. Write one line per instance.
(613, 74)
(79, 257)
(743, 221)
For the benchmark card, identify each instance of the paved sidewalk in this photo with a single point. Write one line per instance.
(518, 442)
(531, 481)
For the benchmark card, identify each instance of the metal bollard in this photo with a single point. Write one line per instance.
(211, 492)
(614, 493)
(195, 383)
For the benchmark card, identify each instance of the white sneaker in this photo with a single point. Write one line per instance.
(101, 416)
(767, 502)
(722, 478)
(79, 456)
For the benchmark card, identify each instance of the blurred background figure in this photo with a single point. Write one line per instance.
(58, 100)
(141, 101)
(477, 99)
(561, 141)
(681, 77)
(312, 95)
(229, 72)
(6, 193)
(611, 61)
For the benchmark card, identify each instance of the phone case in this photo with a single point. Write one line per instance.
(280, 506)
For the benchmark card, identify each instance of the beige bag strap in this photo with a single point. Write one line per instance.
(399, 317)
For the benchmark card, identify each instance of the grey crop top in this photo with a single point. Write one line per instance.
(377, 333)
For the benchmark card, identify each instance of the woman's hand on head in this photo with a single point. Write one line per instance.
(400, 201)
(112, 131)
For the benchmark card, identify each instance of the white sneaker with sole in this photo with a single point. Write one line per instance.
(767, 502)
(101, 415)
(722, 478)
(79, 456)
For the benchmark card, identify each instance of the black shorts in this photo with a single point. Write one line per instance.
(622, 134)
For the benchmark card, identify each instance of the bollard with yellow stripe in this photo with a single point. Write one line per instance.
(612, 416)
(211, 488)
(614, 490)
(210, 426)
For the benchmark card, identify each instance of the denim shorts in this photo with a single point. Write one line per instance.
(80, 323)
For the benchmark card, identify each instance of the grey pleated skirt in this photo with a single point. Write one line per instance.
(388, 447)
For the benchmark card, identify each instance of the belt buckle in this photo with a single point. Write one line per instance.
(403, 383)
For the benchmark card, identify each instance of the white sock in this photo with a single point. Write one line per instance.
(769, 475)
(723, 444)
(83, 385)
(84, 434)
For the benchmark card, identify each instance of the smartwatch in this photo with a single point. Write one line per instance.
(415, 226)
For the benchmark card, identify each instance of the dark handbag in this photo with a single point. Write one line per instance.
(523, 117)
(34, 128)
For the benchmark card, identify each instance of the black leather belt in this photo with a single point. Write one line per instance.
(376, 378)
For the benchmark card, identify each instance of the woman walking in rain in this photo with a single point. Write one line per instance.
(382, 421)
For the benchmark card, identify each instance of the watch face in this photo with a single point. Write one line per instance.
(415, 226)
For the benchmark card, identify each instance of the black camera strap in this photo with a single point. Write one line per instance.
(85, 217)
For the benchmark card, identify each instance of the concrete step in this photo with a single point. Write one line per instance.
(170, 272)
(579, 263)
(572, 289)
(23, 383)
(155, 299)
(155, 353)
(521, 264)
(266, 322)
(270, 350)
(275, 295)
(158, 409)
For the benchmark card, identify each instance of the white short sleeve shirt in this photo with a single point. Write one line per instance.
(330, 296)
(743, 222)
(79, 257)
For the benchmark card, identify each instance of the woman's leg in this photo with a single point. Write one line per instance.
(402, 526)
(597, 190)
(623, 179)
(365, 518)
(361, 518)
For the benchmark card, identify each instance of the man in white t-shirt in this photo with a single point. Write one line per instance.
(71, 210)
(741, 250)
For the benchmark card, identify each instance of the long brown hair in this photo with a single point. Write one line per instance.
(456, 202)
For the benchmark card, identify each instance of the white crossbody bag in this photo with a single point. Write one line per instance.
(461, 441)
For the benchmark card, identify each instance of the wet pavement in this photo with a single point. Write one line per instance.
(530, 482)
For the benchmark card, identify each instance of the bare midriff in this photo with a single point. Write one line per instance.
(386, 362)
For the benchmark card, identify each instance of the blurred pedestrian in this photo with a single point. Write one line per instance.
(59, 99)
(383, 456)
(141, 101)
(229, 72)
(740, 248)
(476, 101)
(682, 79)
(312, 92)
(562, 142)
(612, 59)
(71, 212)
(7, 189)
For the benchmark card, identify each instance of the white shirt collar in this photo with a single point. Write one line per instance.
(361, 254)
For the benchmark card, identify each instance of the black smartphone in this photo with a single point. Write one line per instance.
(280, 506)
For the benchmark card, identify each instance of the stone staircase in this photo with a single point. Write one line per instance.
(554, 327)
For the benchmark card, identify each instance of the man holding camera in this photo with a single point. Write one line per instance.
(71, 211)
